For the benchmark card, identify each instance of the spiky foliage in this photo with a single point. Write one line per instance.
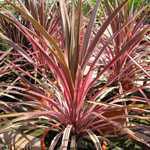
(78, 62)
(128, 67)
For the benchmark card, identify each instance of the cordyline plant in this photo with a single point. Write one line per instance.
(42, 11)
(57, 95)
(128, 67)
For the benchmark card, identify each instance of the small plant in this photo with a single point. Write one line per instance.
(55, 94)
(128, 67)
